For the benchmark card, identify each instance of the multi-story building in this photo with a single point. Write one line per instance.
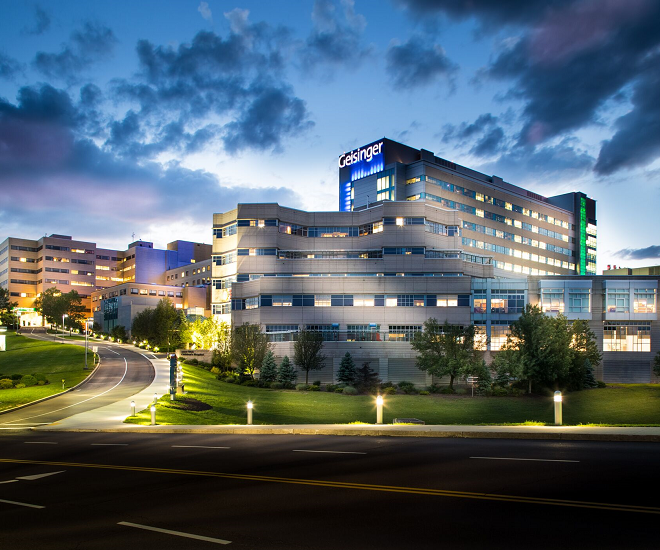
(28, 267)
(524, 232)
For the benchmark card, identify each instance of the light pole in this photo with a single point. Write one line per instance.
(86, 345)
(63, 316)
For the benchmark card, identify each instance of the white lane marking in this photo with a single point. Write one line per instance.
(40, 442)
(39, 476)
(112, 351)
(10, 481)
(79, 402)
(30, 424)
(109, 444)
(21, 503)
(198, 447)
(176, 533)
(332, 452)
(525, 459)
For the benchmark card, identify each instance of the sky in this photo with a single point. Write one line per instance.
(123, 118)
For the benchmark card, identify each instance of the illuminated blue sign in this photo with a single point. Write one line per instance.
(363, 161)
(345, 197)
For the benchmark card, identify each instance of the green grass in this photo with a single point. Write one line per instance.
(614, 405)
(54, 359)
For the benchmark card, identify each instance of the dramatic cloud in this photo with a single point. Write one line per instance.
(86, 46)
(637, 140)
(41, 23)
(484, 134)
(415, 63)
(650, 252)
(205, 11)
(8, 67)
(50, 170)
(336, 37)
(228, 89)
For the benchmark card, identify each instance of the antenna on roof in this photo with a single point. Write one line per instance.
(133, 236)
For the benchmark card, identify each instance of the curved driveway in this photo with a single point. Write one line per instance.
(121, 374)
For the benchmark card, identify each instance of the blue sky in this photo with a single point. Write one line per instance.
(148, 117)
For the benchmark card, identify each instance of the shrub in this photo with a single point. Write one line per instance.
(192, 361)
(276, 385)
(28, 381)
(215, 370)
(339, 390)
(40, 377)
(387, 384)
(302, 387)
(601, 384)
(389, 390)
(19, 386)
(499, 391)
(41, 383)
(231, 379)
(204, 365)
(249, 383)
(16, 376)
(350, 390)
(406, 387)
(5, 384)
(434, 388)
(423, 392)
(316, 383)
(461, 391)
(289, 386)
(315, 387)
(331, 387)
(447, 390)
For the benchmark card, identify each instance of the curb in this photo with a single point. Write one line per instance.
(374, 433)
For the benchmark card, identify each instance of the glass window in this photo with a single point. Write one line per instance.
(618, 300)
(498, 336)
(322, 300)
(627, 336)
(578, 300)
(552, 300)
(644, 300)
(363, 333)
(403, 333)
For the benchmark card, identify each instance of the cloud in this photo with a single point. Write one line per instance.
(9, 67)
(650, 252)
(485, 135)
(85, 47)
(637, 138)
(204, 9)
(41, 23)
(413, 64)
(51, 173)
(230, 90)
(336, 36)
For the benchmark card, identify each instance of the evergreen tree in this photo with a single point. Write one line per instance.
(347, 371)
(656, 364)
(268, 371)
(286, 374)
(366, 379)
(589, 379)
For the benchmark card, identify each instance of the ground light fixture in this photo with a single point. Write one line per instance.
(379, 409)
(558, 401)
(153, 415)
(132, 408)
(250, 406)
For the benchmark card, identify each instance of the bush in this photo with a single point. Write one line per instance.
(350, 390)
(387, 384)
(499, 391)
(5, 384)
(28, 381)
(192, 361)
(447, 391)
(316, 383)
(249, 383)
(231, 379)
(461, 391)
(19, 386)
(517, 392)
(40, 377)
(41, 383)
(407, 387)
(339, 390)
(204, 365)
(215, 370)
(302, 387)
(289, 386)
(315, 387)
(276, 385)
(16, 376)
(389, 390)
(423, 392)
(331, 387)
(601, 384)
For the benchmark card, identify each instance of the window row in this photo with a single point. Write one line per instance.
(351, 300)
(514, 237)
(498, 249)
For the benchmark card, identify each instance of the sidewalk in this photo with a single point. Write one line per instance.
(111, 419)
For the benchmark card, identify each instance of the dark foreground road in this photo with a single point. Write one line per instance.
(129, 491)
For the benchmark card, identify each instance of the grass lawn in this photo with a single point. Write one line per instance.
(630, 404)
(54, 359)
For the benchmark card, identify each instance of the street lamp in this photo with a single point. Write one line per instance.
(63, 316)
(86, 340)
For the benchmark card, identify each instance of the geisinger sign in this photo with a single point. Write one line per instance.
(361, 154)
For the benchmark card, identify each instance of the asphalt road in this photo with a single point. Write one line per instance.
(122, 373)
(323, 492)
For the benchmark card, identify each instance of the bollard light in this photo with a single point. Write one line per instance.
(155, 397)
(249, 412)
(153, 415)
(132, 408)
(558, 415)
(379, 409)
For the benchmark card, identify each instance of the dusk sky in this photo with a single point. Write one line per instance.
(147, 117)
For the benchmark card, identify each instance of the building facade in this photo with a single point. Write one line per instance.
(524, 232)
(28, 267)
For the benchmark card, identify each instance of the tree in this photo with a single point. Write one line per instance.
(347, 372)
(96, 327)
(167, 320)
(307, 351)
(507, 365)
(366, 379)
(7, 316)
(484, 377)
(268, 371)
(143, 326)
(586, 355)
(445, 350)
(656, 364)
(119, 333)
(286, 374)
(530, 332)
(248, 348)
(73, 308)
(50, 305)
(209, 333)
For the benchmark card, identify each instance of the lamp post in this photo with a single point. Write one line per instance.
(379, 409)
(63, 316)
(86, 339)
(249, 413)
(558, 416)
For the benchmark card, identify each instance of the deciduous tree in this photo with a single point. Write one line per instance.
(248, 348)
